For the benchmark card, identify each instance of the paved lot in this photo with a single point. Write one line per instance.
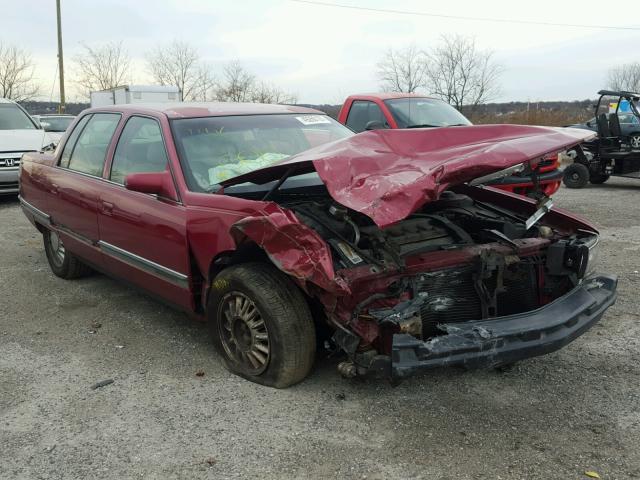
(553, 417)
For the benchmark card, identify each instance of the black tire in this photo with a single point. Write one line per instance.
(576, 175)
(63, 263)
(598, 178)
(276, 310)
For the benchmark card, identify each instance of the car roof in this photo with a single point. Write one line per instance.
(205, 109)
(388, 96)
(6, 100)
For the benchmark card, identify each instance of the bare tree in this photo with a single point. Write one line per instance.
(16, 74)
(179, 64)
(236, 85)
(102, 67)
(264, 92)
(461, 74)
(204, 88)
(625, 77)
(402, 70)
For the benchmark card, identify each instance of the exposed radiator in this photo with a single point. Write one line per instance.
(452, 297)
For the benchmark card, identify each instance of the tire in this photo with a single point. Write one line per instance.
(63, 263)
(261, 325)
(635, 141)
(598, 178)
(576, 175)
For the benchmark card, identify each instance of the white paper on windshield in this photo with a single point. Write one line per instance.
(313, 119)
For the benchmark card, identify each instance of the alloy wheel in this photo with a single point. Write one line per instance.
(57, 248)
(243, 333)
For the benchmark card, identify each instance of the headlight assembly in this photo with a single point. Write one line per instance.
(594, 249)
(578, 256)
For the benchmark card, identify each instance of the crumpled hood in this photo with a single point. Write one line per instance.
(22, 140)
(388, 174)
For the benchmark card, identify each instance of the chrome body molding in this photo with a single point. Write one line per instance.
(171, 276)
(38, 214)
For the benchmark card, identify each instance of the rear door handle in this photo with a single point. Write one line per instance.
(54, 188)
(107, 208)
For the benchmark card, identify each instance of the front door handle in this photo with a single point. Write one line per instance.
(107, 208)
(54, 188)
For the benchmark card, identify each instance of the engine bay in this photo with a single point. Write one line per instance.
(454, 221)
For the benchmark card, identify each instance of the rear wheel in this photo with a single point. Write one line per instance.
(576, 175)
(261, 325)
(635, 141)
(63, 263)
(598, 178)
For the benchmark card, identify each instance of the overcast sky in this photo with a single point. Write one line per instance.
(323, 54)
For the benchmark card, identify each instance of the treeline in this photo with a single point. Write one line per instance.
(554, 113)
(40, 108)
(550, 113)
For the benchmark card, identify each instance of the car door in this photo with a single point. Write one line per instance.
(76, 181)
(143, 236)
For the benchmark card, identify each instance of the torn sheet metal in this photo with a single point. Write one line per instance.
(292, 246)
(389, 174)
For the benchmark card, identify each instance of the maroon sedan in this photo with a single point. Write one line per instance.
(283, 228)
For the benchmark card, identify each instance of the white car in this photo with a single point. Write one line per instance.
(55, 125)
(19, 133)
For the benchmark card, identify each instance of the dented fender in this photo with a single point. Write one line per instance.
(293, 247)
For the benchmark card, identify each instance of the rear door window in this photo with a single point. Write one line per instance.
(140, 149)
(363, 112)
(89, 152)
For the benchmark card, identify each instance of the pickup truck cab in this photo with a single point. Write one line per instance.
(277, 224)
(374, 111)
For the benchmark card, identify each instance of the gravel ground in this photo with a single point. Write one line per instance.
(553, 417)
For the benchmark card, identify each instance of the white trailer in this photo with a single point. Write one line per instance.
(136, 94)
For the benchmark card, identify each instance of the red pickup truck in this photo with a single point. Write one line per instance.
(374, 111)
(278, 224)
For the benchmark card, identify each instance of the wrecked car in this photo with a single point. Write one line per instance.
(281, 228)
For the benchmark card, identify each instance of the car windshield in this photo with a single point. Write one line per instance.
(13, 117)
(215, 149)
(418, 112)
(55, 124)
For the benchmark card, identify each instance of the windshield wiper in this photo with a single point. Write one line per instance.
(279, 183)
(423, 125)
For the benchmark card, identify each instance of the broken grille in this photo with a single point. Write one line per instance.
(451, 294)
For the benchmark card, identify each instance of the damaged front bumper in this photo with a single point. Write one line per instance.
(503, 340)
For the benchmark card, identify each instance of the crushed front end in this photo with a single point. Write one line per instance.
(461, 281)
(414, 264)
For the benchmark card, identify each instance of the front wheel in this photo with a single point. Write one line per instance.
(635, 141)
(63, 263)
(576, 175)
(261, 325)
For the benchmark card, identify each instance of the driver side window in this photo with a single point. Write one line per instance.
(361, 113)
(140, 149)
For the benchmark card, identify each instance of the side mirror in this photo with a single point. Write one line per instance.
(375, 125)
(155, 183)
(589, 124)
